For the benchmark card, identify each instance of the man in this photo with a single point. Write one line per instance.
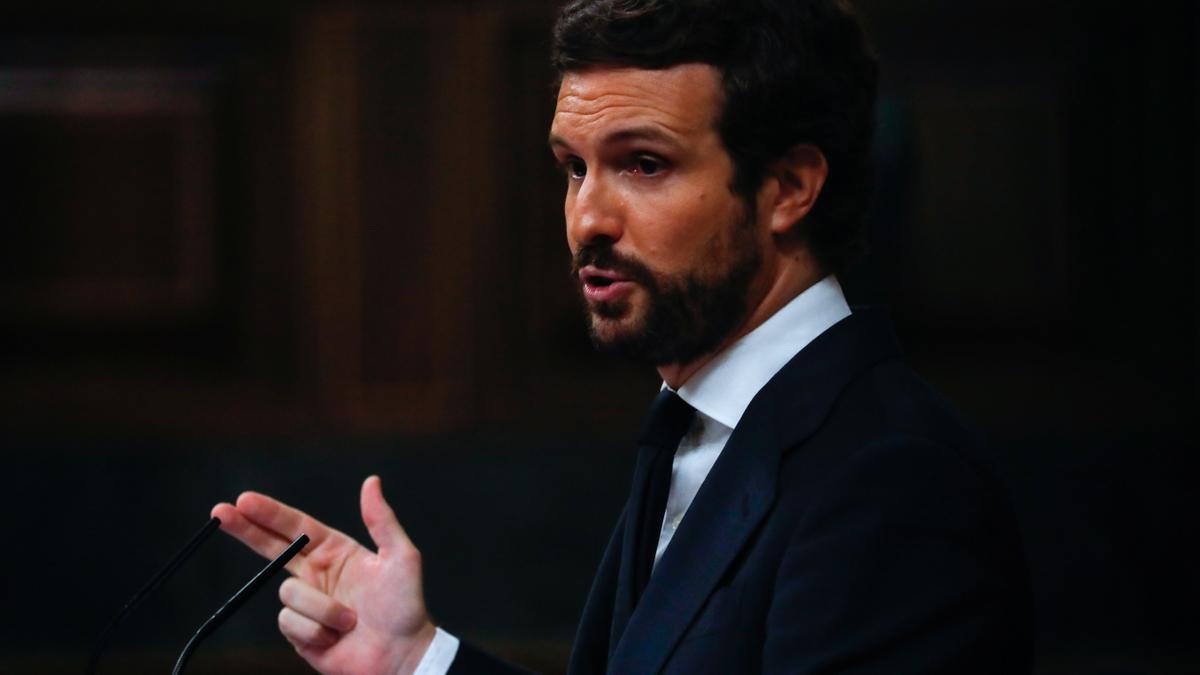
(802, 502)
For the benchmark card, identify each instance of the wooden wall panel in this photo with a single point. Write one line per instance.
(107, 187)
(348, 219)
(143, 224)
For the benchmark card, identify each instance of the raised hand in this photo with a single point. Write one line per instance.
(346, 609)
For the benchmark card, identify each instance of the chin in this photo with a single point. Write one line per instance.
(609, 333)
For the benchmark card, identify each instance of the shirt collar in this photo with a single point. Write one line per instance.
(724, 387)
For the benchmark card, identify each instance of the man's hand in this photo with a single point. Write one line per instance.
(346, 609)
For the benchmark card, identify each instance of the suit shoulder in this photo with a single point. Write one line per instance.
(892, 440)
(890, 398)
(889, 423)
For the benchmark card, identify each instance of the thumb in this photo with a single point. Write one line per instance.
(379, 518)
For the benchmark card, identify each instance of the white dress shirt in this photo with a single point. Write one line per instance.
(720, 392)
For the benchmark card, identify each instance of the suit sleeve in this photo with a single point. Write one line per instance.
(907, 563)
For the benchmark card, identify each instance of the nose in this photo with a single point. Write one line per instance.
(593, 212)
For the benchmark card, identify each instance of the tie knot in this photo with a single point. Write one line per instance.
(667, 421)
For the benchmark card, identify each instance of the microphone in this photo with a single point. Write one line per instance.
(221, 615)
(151, 586)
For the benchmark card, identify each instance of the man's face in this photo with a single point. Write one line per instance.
(664, 252)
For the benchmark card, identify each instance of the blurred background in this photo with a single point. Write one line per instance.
(283, 245)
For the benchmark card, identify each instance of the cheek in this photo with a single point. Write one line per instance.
(692, 229)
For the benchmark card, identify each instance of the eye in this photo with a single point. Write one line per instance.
(648, 165)
(575, 169)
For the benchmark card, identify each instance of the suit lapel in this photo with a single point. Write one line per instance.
(738, 493)
(732, 502)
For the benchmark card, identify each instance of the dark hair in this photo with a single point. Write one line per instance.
(793, 72)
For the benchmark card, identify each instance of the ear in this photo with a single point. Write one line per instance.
(798, 177)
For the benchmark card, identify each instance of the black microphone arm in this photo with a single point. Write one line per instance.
(145, 592)
(221, 615)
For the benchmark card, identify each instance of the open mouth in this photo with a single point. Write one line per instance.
(599, 278)
(600, 285)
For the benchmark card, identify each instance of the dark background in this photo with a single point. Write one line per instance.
(283, 245)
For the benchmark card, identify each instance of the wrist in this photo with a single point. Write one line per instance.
(417, 647)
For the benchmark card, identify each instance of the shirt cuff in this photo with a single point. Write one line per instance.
(439, 656)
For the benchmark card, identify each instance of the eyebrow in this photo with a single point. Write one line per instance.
(646, 133)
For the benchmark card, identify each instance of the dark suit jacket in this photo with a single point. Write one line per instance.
(849, 526)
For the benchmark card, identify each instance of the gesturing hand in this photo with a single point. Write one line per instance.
(346, 609)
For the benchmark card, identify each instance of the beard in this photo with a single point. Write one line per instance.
(686, 315)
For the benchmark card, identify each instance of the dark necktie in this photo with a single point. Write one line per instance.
(666, 424)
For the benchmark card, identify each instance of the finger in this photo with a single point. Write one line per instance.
(379, 518)
(313, 604)
(303, 631)
(264, 542)
(283, 520)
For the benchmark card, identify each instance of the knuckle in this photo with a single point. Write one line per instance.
(409, 555)
(329, 613)
(286, 591)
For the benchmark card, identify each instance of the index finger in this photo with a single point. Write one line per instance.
(283, 521)
(268, 527)
(267, 543)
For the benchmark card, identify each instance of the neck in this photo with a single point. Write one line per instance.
(794, 276)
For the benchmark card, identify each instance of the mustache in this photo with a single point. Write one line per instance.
(602, 256)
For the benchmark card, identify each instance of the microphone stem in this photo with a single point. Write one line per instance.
(221, 615)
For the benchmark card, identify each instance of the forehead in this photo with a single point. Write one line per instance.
(681, 101)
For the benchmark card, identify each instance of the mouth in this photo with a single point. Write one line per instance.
(602, 278)
(601, 285)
